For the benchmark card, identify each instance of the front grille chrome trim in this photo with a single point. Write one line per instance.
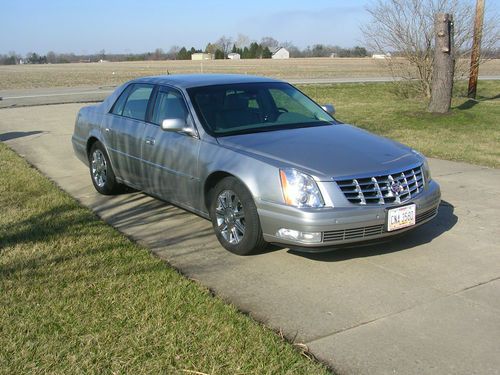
(378, 189)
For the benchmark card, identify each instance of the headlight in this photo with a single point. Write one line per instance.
(427, 171)
(425, 167)
(300, 189)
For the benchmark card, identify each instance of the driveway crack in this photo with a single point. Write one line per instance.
(476, 285)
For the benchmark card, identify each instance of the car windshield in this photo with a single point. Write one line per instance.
(254, 107)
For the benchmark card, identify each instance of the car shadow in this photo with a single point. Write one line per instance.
(443, 222)
(13, 135)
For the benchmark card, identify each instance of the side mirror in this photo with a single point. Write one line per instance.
(329, 108)
(176, 125)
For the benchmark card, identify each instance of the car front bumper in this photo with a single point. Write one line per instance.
(340, 226)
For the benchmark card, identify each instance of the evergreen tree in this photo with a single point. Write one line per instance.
(245, 54)
(253, 51)
(219, 55)
(266, 53)
(183, 54)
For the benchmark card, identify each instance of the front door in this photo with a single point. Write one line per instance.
(171, 158)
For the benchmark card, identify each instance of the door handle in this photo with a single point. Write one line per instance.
(107, 130)
(150, 141)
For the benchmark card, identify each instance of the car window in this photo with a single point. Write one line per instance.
(283, 99)
(169, 104)
(120, 103)
(137, 102)
(253, 107)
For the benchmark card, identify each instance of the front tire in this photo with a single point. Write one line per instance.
(101, 172)
(235, 219)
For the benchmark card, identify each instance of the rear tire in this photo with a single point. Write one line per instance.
(235, 219)
(101, 172)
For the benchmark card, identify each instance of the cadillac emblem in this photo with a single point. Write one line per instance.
(396, 187)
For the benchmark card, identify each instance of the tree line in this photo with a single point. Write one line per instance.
(220, 49)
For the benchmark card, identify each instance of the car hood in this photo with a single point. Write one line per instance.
(325, 151)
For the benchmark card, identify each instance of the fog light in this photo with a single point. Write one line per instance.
(295, 235)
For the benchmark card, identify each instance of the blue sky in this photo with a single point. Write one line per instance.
(138, 26)
(122, 26)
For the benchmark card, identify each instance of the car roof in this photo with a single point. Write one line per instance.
(197, 80)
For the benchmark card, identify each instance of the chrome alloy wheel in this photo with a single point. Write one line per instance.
(230, 217)
(99, 168)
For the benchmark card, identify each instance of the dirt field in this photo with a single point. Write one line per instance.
(92, 74)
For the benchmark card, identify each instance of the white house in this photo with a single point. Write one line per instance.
(381, 56)
(281, 53)
(233, 56)
(202, 56)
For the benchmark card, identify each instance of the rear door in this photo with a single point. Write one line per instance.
(171, 158)
(124, 129)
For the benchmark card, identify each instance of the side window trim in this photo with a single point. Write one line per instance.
(151, 105)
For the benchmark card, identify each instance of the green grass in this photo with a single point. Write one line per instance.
(76, 296)
(470, 132)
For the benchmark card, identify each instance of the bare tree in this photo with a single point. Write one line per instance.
(293, 49)
(406, 28)
(172, 52)
(269, 42)
(158, 54)
(51, 57)
(242, 41)
(224, 43)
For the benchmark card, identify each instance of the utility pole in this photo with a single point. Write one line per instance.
(443, 65)
(476, 49)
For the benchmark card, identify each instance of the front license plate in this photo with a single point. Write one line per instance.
(401, 217)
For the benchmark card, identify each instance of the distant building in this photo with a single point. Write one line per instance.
(281, 53)
(333, 55)
(202, 56)
(381, 56)
(233, 56)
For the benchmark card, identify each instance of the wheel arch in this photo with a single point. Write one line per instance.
(212, 180)
(90, 143)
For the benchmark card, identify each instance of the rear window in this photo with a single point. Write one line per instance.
(133, 102)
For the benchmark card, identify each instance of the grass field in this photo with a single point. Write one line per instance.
(470, 132)
(76, 296)
(102, 74)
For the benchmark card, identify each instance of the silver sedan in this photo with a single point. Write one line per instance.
(257, 157)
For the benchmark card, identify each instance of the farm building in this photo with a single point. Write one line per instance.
(281, 53)
(202, 56)
(233, 56)
(381, 56)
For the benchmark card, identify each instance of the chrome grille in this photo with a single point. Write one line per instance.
(378, 189)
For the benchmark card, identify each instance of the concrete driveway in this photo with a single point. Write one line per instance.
(428, 303)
